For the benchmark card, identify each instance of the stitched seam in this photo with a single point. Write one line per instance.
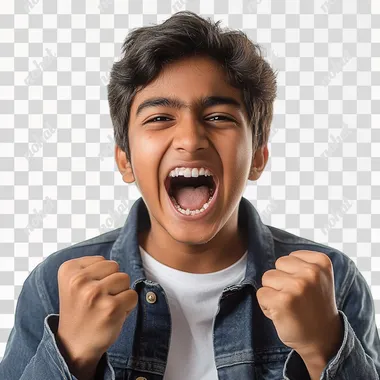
(53, 361)
(40, 286)
(345, 286)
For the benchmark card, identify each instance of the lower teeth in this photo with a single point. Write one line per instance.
(188, 211)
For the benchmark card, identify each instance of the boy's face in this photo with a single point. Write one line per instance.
(186, 136)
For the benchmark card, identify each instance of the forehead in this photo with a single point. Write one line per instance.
(188, 79)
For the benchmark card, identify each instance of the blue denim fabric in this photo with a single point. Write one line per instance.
(245, 341)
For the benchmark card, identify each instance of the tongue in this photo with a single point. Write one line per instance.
(192, 198)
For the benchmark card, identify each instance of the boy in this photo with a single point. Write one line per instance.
(194, 286)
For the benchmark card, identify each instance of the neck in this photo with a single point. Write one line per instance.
(223, 250)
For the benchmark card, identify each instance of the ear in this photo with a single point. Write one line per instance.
(259, 161)
(124, 165)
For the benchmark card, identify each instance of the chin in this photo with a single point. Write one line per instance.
(192, 236)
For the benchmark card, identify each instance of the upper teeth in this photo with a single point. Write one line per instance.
(189, 172)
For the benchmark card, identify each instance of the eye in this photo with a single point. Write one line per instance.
(157, 117)
(221, 117)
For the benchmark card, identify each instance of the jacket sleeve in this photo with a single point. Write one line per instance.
(31, 352)
(359, 354)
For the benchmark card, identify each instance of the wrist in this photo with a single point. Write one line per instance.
(326, 349)
(84, 369)
(82, 366)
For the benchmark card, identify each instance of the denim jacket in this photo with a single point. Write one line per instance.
(246, 343)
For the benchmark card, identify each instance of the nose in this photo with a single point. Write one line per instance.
(190, 135)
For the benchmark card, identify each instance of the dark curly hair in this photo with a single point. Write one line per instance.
(147, 49)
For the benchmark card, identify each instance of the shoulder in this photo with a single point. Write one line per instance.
(97, 246)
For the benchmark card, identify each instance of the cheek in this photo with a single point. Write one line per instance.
(147, 152)
(238, 152)
(237, 161)
(147, 143)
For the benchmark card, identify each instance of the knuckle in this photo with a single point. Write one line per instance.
(76, 282)
(299, 286)
(288, 299)
(125, 277)
(313, 273)
(65, 266)
(91, 293)
(114, 264)
(62, 267)
(280, 260)
(268, 274)
(133, 299)
(109, 306)
(326, 261)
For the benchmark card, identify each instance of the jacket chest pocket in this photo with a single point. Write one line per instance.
(270, 366)
(270, 371)
(261, 366)
(136, 375)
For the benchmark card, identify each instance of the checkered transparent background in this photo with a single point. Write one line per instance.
(59, 183)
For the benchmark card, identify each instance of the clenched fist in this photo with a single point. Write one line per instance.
(299, 297)
(94, 301)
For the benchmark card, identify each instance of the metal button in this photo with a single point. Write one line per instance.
(141, 378)
(151, 297)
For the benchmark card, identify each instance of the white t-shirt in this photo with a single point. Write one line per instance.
(193, 301)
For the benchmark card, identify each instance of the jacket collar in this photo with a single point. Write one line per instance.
(261, 255)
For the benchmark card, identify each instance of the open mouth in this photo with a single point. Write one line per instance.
(191, 196)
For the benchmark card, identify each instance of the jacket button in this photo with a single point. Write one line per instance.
(151, 298)
(141, 378)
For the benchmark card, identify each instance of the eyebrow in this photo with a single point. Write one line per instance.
(177, 103)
